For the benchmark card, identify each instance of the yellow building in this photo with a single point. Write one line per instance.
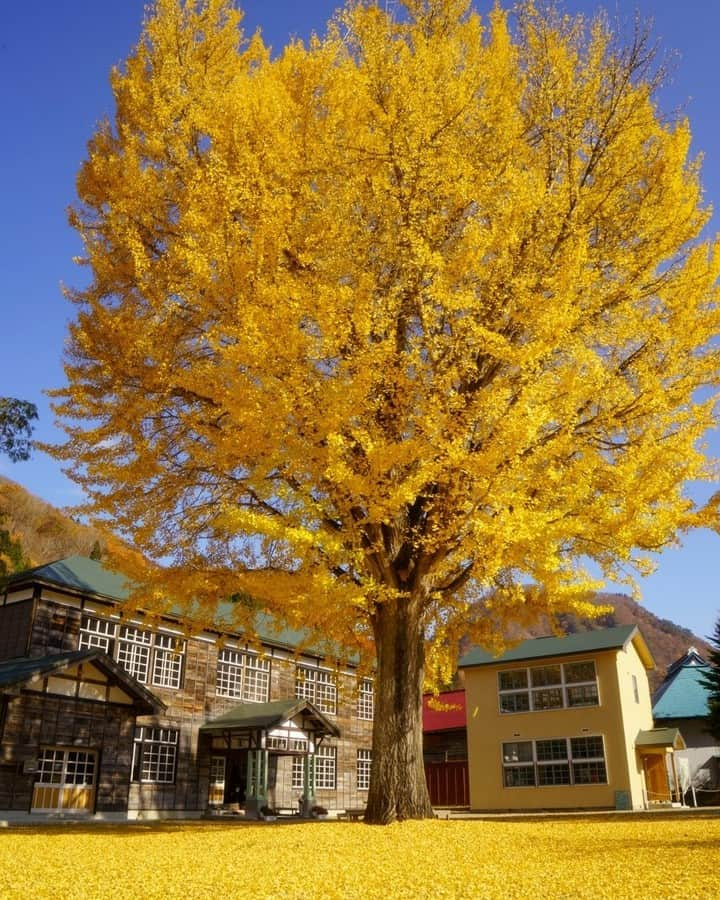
(566, 723)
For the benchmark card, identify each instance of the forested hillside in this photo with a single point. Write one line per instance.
(37, 533)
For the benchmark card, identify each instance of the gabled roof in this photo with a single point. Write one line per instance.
(682, 695)
(661, 737)
(16, 672)
(85, 576)
(266, 716)
(585, 642)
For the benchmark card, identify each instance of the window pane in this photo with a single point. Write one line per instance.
(364, 761)
(519, 702)
(589, 773)
(366, 699)
(587, 747)
(513, 679)
(257, 679)
(582, 695)
(519, 776)
(550, 698)
(554, 773)
(325, 763)
(517, 751)
(579, 671)
(305, 684)
(553, 749)
(154, 755)
(229, 674)
(541, 676)
(167, 667)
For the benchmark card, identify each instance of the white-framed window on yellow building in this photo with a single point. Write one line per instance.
(554, 686)
(554, 761)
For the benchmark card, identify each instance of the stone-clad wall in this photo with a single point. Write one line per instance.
(56, 627)
(35, 720)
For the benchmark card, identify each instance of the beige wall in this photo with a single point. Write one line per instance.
(488, 729)
(636, 716)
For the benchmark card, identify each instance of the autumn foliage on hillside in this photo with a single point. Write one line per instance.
(41, 531)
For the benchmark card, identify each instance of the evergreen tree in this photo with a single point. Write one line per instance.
(97, 551)
(712, 681)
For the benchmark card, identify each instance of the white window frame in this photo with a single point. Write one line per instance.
(572, 758)
(318, 686)
(154, 759)
(366, 699)
(326, 768)
(242, 676)
(364, 765)
(530, 694)
(150, 657)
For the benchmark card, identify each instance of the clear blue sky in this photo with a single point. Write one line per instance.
(54, 64)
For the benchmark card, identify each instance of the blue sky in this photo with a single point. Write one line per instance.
(54, 64)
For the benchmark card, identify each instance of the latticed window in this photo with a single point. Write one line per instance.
(318, 686)
(243, 676)
(298, 782)
(326, 768)
(134, 652)
(97, 634)
(146, 656)
(548, 687)
(364, 762)
(366, 699)
(155, 755)
(167, 664)
(557, 761)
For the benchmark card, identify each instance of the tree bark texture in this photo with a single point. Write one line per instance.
(398, 789)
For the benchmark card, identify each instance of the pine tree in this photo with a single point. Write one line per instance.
(711, 680)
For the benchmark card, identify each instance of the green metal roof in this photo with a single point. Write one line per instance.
(660, 737)
(568, 645)
(79, 573)
(266, 716)
(683, 695)
(89, 577)
(16, 672)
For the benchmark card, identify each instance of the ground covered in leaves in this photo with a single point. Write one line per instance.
(595, 856)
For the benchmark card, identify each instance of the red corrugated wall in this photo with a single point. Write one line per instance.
(448, 783)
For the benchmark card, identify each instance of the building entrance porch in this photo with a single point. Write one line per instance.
(246, 744)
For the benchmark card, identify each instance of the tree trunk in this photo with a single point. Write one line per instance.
(398, 789)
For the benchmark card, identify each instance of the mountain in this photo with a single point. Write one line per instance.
(38, 533)
(42, 532)
(666, 640)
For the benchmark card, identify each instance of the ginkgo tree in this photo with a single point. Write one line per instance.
(404, 332)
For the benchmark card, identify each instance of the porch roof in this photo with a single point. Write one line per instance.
(16, 672)
(266, 716)
(660, 737)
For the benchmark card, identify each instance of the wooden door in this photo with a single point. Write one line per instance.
(656, 779)
(65, 781)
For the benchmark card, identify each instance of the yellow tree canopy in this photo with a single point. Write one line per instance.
(415, 313)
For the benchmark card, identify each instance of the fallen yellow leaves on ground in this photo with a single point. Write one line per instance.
(594, 856)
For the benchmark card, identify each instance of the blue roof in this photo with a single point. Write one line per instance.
(683, 695)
